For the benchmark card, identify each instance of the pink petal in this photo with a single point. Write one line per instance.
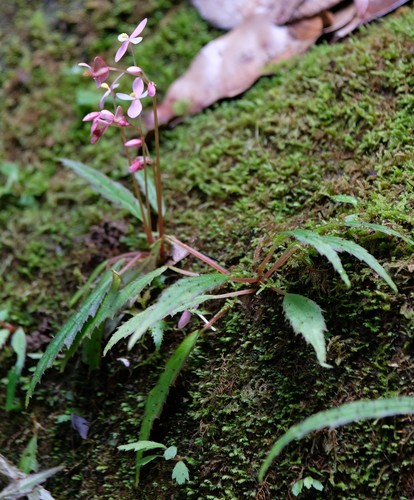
(136, 40)
(121, 51)
(132, 143)
(138, 87)
(134, 70)
(85, 65)
(139, 28)
(185, 318)
(102, 101)
(135, 109)
(99, 63)
(91, 116)
(151, 89)
(124, 97)
(136, 166)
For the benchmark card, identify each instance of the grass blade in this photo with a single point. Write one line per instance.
(109, 189)
(335, 417)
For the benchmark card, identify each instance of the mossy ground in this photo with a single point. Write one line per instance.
(338, 120)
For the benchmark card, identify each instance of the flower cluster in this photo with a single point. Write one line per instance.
(141, 87)
(124, 115)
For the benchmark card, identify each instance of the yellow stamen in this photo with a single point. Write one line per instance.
(105, 86)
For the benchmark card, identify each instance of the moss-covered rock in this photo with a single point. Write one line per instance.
(336, 121)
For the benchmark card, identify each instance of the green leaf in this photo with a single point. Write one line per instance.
(330, 245)
(114, 301)
(297, 488)
(11, 172)
(317, 485)
(85, 288)
(306, 318)
(18, 342)
(157, 333)
(342, 245)
(12, 379)
(170, 453)
(180, 473)
(152, 193)
(158, 395)
(109, 189)
(344, 198)
(185, 294)
(148, 459)
(335, 417)
(69, 330)
(352, 221)
(141, 446)
(4, 335)
(28, 461)
(323, 247)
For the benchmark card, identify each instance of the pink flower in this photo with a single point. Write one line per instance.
(135, 107)
(139, 163)
(151, 89)
(119, 118)
(99, 70)
(126, 40)
(101, 120)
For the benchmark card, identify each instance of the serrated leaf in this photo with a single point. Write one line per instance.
(185, 294)
(180, 473)
(109, 189)
(323, 247)
(330, 245)
(158, 395)
(306, 318)
(113, 302)
(28, 461)
(141, 445)
(335, 417)
(157, 333)
(352, 221)
(344, 198)
(69, 330)
(170, 453)
(342, 245)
